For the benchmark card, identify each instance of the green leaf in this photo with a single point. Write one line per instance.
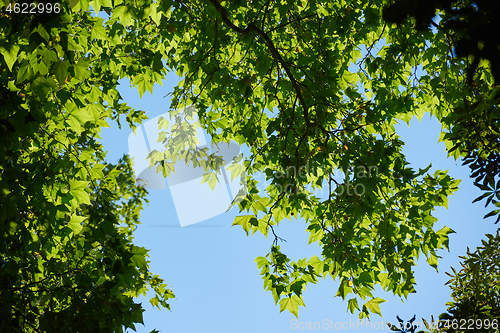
(42, 32)
(74, 44)
(82, 115)
(246, 221)
(96, 4)
(157, 63)
(433, 261)
(492, 213)
(43, 86)
(98, 31)
(60, 69)
(139, 257)
(122, 13)
(353, 304)
(261, 261)
(143, 83)
(444, 239)
(323, 111)
(155, 14)
(210, 178)
(236, 170)
(81, 69)
(25, 72)
(162, 123)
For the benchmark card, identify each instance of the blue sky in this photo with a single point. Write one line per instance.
(210, 265)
